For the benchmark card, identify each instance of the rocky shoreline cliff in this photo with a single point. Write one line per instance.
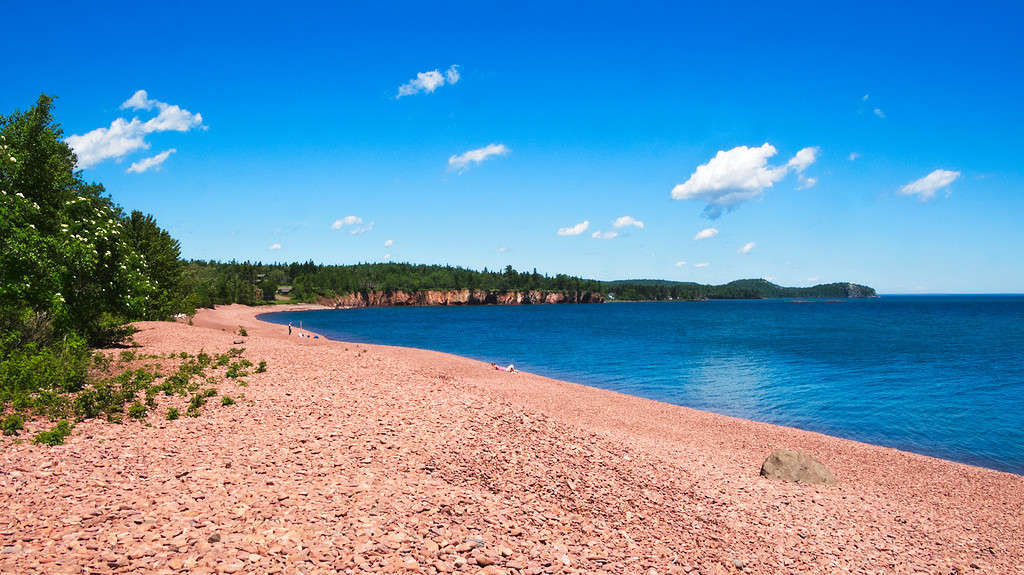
(458, 297)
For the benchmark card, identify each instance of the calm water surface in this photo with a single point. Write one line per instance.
(939, 375)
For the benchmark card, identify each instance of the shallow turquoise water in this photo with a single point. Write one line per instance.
(939, 375)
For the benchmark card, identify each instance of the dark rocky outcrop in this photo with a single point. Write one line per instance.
(458, 297)
(789, 465)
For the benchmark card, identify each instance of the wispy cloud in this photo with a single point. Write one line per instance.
(464, 161)
(346, 221)
(361, 229)
(274, 246)
(501, 250)
(626, 221)
(853, 156)
(878, 112)
(389, 243)
(604, 235)
(429, 81)
(701, 265)
(152, 162)
(738, 175)
(574, 230)
(126, 136)
(746, 248)
(680, 264)
(706, 233)
(926, 187)
(813, 279)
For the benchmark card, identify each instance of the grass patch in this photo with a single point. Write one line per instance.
(137, 411)
(173, 413)
(226, 400)
(13, 423)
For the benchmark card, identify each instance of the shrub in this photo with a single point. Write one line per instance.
(13, 423)
(173, 413)
(262, 367)
(242, 332)
(55, 436)
(127, 356)
(226, 400)
(137, 411)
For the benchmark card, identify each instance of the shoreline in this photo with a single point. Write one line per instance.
(316, 307)
(374, 458)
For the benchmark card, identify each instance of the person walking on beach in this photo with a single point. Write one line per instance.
(289, 328)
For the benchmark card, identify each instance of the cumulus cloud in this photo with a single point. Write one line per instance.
(574, 230)
(701, 265)
(389, 243)
(806, 183)
(626, 221)
(462, 162)
(429, 81)
(274, 246)
(604, 235)
(706, 233)
(126, 136)
(926, 187)
(680, 264)
(152, 162)
(346, 221)
(746, 248)
(739, 175)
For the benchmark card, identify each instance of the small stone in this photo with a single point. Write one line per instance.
(739, 564)
(215, 538)
(483, 559)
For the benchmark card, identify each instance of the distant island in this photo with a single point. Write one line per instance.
(404, 284)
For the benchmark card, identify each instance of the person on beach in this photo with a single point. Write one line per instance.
(510, 369)
(289, 328)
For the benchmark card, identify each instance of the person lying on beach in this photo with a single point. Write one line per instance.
(511, 368)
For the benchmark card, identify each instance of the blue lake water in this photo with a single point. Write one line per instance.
(939, 375)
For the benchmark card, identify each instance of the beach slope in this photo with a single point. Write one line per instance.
(360, 458)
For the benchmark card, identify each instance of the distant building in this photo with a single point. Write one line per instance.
(284, 290)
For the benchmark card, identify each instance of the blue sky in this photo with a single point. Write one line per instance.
(892, 132)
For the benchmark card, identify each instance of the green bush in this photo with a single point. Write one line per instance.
(13, 423)
(55, 436)
(242, 332)
(137, 411)
(262, 367)
(226, 400)
(172, 413)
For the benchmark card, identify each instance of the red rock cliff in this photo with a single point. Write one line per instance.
(458, 297)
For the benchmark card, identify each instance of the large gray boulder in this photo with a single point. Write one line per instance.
(789, 465)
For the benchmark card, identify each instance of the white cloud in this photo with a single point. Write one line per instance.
(813, 279)
(627, 221)
(361, 229)
(387, 256)
(346, 221)
(126, 136)
(806, 183)
(461, 162)
(746, 248)
(150, 162)
(701, 265)
(502, 250)
(878, 112)
(926, 187)
(574, 230)
(389, 243)
(680, 264)
(604, 235)
(738, 175)
(274, 246)
(865, 98)
(706, 233)
(853, 156)
(452, 74)
(429, 81)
